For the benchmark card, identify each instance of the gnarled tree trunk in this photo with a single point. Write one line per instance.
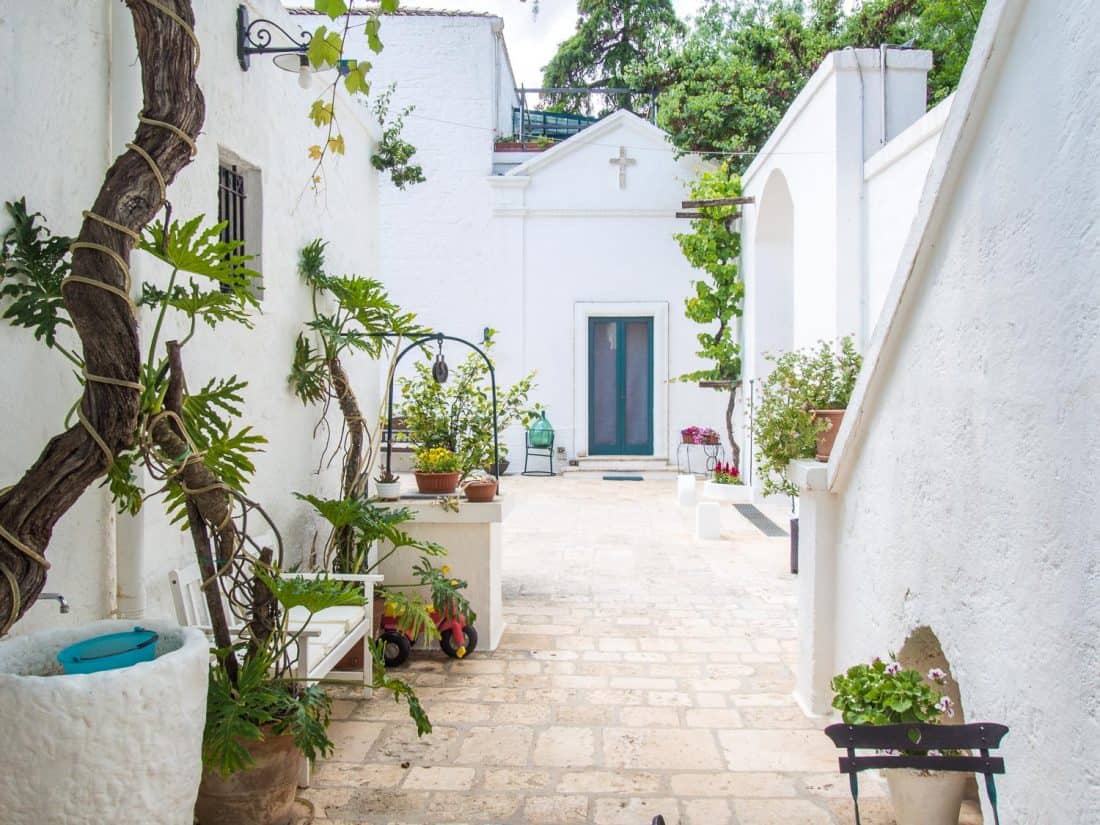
(130, 196)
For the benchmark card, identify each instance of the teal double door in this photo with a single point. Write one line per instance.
(620, 386)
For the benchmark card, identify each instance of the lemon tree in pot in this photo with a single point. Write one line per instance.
(885, 693)
(802, 402)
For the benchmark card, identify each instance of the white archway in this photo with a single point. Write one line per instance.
(774, 273)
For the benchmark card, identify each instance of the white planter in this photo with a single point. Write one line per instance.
(388, 490)
(121, 746)
(728, 493)
(708, 521)
(925, 798)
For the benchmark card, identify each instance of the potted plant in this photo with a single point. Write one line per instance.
(458, 415)
(726, 484)
(480, 487)
(437, 470)
(388, 486)
(802, 401)
(699, 435)
(883, 693)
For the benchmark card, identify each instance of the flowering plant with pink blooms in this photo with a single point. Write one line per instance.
(885, 693)
(726, 474)
(699, 435)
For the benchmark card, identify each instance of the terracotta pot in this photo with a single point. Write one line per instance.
(924, 797)
(481, 491)
(262, 795)
(687, 439)
(437, 482)
(827, 437)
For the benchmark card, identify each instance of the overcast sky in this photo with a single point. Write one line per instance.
(532, 41)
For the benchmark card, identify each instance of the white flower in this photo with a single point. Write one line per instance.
(893, 669)
(935, 753)
(890, 752)
(945, 705)
(936, 675)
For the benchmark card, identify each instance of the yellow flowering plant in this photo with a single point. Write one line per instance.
(436, 460)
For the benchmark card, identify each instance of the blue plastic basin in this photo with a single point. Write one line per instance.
(110, 652)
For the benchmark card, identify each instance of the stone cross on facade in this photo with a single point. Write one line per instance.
(622, 161)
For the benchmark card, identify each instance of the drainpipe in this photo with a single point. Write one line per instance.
(127, 540)
(882, 92)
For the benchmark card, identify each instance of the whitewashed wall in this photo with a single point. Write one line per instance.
(804, 240)
(569, 236)
(959, 495)
(57, 157)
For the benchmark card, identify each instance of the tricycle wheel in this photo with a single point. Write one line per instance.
(451, 648)
(397, 648)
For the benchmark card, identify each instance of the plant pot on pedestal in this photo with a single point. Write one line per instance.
(728, 493)
(481, 491)
(260, 795)
(440, 483)
(388, 490)
(121, 746)
(827, 437)
(925, 797)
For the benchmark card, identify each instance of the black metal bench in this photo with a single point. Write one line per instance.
(979, 736)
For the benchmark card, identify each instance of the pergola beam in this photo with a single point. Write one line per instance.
(717, 202)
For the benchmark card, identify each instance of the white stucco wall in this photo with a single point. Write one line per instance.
(570, 238)
(894, 179)
(57, 158)
(960, 488)
(804, 239)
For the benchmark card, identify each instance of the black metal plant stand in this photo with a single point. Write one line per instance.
(439, 370)
(538, 452)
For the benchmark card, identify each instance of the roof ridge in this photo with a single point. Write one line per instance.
(403, 11)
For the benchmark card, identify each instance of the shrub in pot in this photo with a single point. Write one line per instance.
(802, 402)
(437, 470)
(882, 693)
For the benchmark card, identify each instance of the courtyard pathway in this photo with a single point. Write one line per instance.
(641, 672)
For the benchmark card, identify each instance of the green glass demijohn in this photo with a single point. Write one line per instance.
(541, 434)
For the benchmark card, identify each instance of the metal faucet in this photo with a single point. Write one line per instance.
(59, 598)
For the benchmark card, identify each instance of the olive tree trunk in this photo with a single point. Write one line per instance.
(108, 331)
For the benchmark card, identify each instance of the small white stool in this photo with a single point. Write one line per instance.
(685, 490)
(708, 520)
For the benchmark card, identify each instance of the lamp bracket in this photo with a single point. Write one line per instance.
(254, 37)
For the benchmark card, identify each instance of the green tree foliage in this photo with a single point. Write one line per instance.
(715, 301)
(611, 36)
(726, 88)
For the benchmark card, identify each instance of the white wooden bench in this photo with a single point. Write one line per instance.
(330, 636)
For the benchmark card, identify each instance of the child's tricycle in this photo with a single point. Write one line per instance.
(455, 637)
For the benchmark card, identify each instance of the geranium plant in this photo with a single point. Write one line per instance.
(436, 460)
(882, 693)
(726, 474)
(700, 435)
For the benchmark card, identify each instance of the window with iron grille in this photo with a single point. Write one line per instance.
(239, 208)
(231, 206)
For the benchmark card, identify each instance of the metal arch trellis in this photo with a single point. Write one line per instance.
(440, 338)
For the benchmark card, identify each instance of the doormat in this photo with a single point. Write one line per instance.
(623, 478)
(761, 522)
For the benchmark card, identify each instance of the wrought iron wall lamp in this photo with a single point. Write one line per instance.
(255, 36)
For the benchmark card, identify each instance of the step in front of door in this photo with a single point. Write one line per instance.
(624, 464)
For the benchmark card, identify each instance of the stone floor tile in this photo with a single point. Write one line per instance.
(601, 782)
(353, 739)
(713, 718)
(706, 812)
(556, 810)
(634, 810)
(778, 750)
(439, 778)
(781, 812)
(648, 717)
(660, 749)
(499, 745)
(565, 747)
(521, 714)
(515, 779)
(748, 785)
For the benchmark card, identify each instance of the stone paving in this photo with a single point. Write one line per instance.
(641, 672)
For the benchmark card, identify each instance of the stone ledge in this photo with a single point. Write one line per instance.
(808, 474)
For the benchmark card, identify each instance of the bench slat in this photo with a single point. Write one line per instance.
(932, 737)
(965, 764)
